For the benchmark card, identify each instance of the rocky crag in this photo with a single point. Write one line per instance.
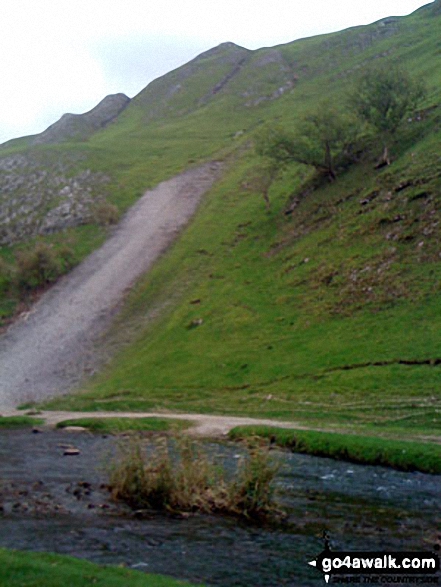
(38, 196)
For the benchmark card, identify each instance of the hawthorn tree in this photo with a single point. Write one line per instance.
(382, 97)
(324, 139)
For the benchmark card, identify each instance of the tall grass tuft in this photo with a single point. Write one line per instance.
(182, 478)
(252, 495)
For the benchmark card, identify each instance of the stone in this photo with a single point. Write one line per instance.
(75, 429)
(71, 451)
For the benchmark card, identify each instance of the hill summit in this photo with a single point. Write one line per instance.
(81, 126)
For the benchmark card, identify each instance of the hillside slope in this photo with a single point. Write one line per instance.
(54, 346)
(328, 314)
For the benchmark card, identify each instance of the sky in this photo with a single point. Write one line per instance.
(61, 56)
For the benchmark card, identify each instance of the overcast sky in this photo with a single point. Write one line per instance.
(62, 56)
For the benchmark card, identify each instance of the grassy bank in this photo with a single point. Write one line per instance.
(29, 569)
(118, 425)
(367, 450)
(19, 422)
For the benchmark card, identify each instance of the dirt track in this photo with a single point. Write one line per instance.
(203, 424)
(50, 350)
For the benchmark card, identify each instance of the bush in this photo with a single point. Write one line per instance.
(5, 276)
(383, 96)
(326, 139)
(105, 214)
(190, 482)
(67, 257)
(37, 267)
(42, 265)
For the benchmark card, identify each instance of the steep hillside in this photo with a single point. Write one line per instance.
(189, 87)
(327, 315)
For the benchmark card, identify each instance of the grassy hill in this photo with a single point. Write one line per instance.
(329, 315)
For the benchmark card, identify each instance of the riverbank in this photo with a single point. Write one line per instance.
(412, 454)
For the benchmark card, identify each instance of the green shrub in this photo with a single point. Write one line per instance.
(105, 214)
(67, 256)
(42, 265)
(37, 267)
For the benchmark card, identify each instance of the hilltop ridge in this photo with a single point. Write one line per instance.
(82, 126)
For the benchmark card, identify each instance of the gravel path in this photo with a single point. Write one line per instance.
(50, 349)
(203, 424)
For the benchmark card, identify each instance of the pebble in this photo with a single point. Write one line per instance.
(71, 451)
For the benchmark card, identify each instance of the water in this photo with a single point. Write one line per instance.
(59, 504)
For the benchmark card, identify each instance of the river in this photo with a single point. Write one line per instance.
(57, 503)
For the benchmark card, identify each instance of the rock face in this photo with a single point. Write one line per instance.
(40, 194)
(81, 126)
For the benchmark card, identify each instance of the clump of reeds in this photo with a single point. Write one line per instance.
(183, 479)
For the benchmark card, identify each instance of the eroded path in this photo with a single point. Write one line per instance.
(50, 351)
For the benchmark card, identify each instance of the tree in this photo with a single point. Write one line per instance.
(383, 96)
(324, 139)
(261, 179)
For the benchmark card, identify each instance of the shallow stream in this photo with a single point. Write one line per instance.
(57, 503)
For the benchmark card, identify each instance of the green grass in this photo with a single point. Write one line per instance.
(117, 425)
(19, 422)
(330, 316)
(279, 339)
(29, 569)
(366, 450)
